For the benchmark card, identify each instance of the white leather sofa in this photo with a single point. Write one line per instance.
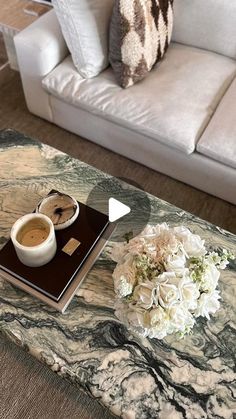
(180, 120)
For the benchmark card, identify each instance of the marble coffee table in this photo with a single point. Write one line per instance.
(133, 377)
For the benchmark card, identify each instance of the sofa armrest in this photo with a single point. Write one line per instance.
(40, 47)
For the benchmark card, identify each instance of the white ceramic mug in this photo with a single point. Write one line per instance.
(34, 239)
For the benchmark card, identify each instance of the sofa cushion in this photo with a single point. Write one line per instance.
(207, 24)
(172, 105)
(219, 139)
(85, 26)
(139, 36)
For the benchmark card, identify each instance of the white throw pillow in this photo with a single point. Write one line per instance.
(85, 26)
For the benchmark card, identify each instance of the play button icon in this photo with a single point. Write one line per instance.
(117, 209)
(123, 202)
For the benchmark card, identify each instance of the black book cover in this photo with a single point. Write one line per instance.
(53, 278)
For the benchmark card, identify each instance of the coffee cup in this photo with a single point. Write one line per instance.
(34, 240)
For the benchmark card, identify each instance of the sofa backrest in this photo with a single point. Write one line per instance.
(207, 24)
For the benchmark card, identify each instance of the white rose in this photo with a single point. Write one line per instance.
(166, 292)
(158, 323)
(144, 295)
(124, 279)
(210, 278)
(166, 276)
(180, 319)
(208, 303)
(157, 316)
(137, 319)
(175, 262)
(192, 243)
(132, 316)
(189, 293)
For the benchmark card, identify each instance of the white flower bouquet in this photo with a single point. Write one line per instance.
(164, 279)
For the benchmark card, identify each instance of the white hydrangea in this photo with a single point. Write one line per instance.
(124, 279)
(210, 278)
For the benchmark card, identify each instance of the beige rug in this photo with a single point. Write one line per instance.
(30, 390)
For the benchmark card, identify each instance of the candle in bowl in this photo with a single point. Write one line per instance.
(33, 237)
(61, 208)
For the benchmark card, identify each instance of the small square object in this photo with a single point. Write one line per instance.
(71, 246)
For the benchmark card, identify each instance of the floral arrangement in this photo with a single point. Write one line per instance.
(164, 279)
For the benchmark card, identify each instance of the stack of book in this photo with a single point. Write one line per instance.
(56, 282)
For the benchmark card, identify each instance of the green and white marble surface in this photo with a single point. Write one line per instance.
(134, 377)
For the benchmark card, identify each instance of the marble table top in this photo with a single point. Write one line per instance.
(134, 377)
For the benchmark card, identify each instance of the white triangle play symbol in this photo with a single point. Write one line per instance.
(116, 209)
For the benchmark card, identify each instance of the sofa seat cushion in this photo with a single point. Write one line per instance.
(219, 139)
(172, 105)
